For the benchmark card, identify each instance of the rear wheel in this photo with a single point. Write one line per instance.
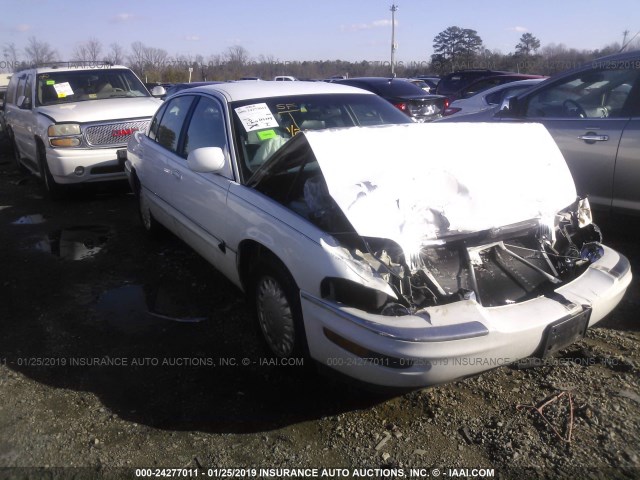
(16, 154)
(277, 304)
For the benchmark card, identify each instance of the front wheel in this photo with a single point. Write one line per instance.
(55, 190)
(149, 223)
(277, 306)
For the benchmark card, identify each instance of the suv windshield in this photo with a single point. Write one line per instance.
(76, 86)
(262, 126)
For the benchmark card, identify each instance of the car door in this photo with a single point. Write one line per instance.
(626, 180)
(586, 113)
(21, 119)
(200, 198)
(159, 149)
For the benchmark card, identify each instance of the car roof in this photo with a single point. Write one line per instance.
(73, 67)
(526, 81)
(238, 91)
(373, 79)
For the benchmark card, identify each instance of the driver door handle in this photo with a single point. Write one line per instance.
(177, 174)
(594, 138)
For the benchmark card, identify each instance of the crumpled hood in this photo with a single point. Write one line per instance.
(102, 110)
(419, 182)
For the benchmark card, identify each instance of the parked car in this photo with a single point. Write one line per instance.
(485, 83)
(420, 84)
(490, 99)
(178, 87)
(4, 81)
(593, 113)
(284, 78)
(388, 262)
(406, 96)
(431, 81)
(3, 128)
(452, 84)
(66, 122)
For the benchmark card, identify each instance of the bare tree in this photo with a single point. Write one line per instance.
(136, 58)
(38, 52)
(89, 51)
(116, 54)
(10, 54)
(237, 55)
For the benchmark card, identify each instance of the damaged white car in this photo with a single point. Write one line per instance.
(379, 251)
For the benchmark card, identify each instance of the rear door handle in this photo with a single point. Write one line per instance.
(590, 138)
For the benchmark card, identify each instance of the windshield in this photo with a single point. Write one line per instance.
(77, 86)
(262, 126)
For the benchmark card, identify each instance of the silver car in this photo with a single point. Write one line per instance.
(489, 101)
(593, 113)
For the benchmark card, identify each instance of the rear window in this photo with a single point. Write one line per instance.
(394, 88)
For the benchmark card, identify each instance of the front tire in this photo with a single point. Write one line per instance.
(149, 223)
(277, 306)
(55, 190)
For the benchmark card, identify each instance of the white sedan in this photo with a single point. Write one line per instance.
(375, 249)
(489, 100)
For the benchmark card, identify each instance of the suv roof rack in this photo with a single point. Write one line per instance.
(73, 64)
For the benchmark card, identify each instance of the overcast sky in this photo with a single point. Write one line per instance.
(352, 30)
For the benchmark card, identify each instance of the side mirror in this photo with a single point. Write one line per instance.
(508, 107)
(206, 160)
(158, 91)
(24, 102)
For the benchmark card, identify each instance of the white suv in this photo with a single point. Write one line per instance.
(67, 122)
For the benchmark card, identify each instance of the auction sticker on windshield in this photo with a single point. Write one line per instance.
(256, 117)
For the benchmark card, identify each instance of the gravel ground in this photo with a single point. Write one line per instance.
(120, 352)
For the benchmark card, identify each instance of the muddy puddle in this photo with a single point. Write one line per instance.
(30, 220)
(137, 307)
(75, 243)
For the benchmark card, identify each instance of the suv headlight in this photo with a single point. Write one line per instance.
(64, 135)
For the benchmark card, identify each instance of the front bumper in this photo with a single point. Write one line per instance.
(453, 341)
(100, 164)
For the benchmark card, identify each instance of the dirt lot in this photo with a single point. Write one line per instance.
(119, 352)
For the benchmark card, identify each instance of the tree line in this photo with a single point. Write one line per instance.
(454, 48)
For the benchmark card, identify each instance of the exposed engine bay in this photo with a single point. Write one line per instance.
(494, 267)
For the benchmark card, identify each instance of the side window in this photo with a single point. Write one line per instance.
(28, 90)
(20, 90)
(172, 121)
(11, 91)
(153, 128)
(596, 94)
(206, 127)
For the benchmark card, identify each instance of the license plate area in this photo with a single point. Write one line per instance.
(564, 332)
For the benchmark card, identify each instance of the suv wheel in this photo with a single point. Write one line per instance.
(55, 190)
(16, 154)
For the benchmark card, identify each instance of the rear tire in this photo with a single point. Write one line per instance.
(16, 154)
(277, 306)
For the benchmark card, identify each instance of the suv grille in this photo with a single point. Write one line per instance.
(113, 134)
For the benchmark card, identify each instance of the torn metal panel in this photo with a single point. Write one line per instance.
(412, 183)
